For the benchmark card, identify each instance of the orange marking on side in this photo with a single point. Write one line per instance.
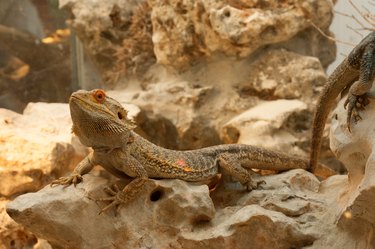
(185, 167)
(181, 162)
(188, 169)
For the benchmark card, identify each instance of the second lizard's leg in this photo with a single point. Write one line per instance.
(357, 97)
(233, 167)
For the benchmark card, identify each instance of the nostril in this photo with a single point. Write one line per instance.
(156, 195)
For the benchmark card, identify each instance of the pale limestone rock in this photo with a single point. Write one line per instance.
(180, 33)
(193, 107)
(262, 125)
(292, 210)
(42, 244)
(176, 123)
(187, 30)
(281, 74)
(153, 219)
(356, 151)
(353, 233)
(35, 146)
(248, 227)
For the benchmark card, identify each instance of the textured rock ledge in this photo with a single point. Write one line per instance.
(293, 210)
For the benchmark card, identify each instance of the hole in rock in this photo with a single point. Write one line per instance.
(201, 220)
(156, 195)
(227, 13)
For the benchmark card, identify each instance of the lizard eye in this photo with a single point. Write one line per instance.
(99, 95)
(119, 115)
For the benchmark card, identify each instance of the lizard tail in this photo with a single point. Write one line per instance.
(336, 83)
(260, 158)
(253, 157)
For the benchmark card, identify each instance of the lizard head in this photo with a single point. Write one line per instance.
(99, 120)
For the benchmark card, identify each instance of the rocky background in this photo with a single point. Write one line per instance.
(192, 74)
(212, 71)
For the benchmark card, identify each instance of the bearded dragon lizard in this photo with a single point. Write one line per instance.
(102, 123)
(357, 73)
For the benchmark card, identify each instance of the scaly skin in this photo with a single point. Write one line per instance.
(101, 122)
(357, 71)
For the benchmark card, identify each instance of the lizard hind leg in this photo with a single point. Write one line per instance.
(232, 166)
(122, 197)
(358, 92)
(354, 104)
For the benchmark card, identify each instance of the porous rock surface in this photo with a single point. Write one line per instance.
(263, 125)
(186, 30)
(293, 210)
(356, 150)
(196, 108)
(179, 33)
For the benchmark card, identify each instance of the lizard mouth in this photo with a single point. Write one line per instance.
(74, 98)
(83, 106)
(79, 102)
(76, 103)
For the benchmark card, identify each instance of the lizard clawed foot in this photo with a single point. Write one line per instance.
(117, 197)
(354, 104)
(67, 180)
(254, 184)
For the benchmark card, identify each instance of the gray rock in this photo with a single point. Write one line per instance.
(291, 210)
(69, 217)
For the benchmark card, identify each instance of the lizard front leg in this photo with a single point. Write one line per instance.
(84, 167)
(130, 191)
(233, 167)
(358, 97)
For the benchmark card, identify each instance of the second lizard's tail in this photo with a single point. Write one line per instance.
(341, 78)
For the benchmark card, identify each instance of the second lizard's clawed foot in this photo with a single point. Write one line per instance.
(354, 104)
